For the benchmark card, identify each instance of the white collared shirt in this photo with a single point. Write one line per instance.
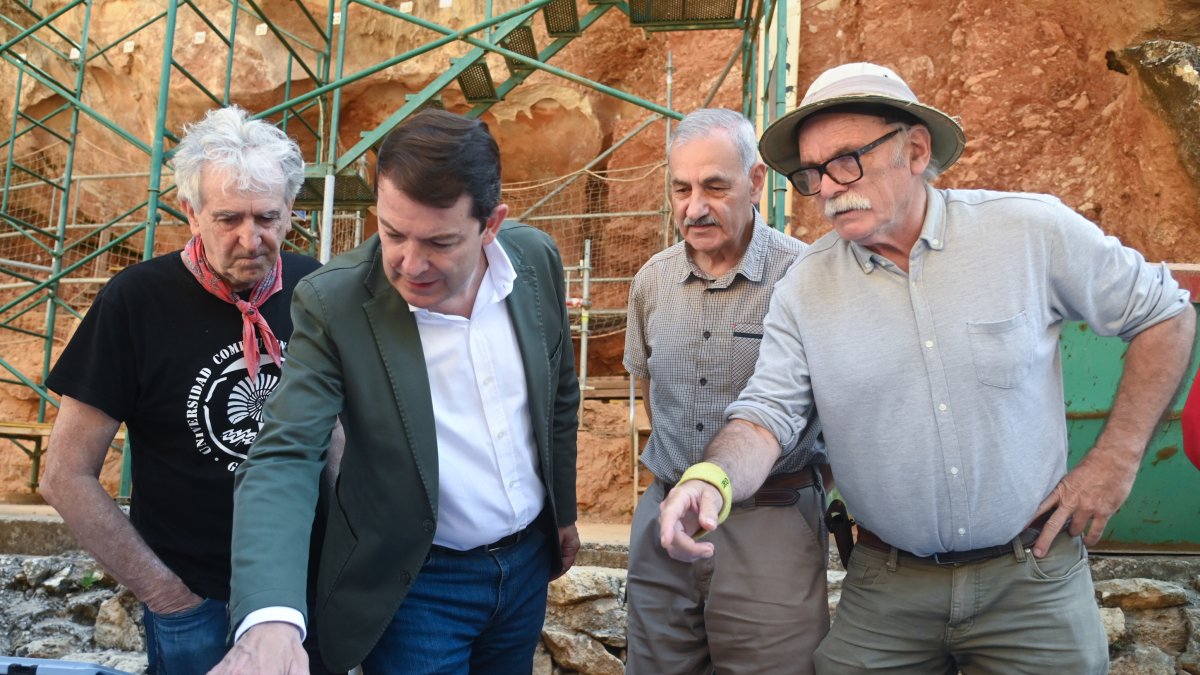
(488, 485)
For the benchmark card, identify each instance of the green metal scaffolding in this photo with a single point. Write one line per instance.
(52, 260)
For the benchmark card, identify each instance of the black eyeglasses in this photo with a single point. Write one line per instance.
(843, 169)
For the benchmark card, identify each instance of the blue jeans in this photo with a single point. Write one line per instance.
(189, 642)
(476, 612)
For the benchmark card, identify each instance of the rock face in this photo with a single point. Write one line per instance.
(1042, 107)
(1171, 72)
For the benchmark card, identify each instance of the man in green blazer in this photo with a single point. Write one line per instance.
(443, 346)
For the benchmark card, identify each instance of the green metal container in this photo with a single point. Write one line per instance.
(1162, 513)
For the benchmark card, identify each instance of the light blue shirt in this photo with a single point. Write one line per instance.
(941, 390)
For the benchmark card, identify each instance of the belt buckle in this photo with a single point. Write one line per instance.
(952, 559)
(503, 542)
(972, 556)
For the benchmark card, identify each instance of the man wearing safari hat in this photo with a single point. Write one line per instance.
(925, 329)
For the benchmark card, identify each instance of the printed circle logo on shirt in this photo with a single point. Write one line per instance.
(225, 405)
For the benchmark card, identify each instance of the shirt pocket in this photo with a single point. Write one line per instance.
(747, 338)
(1002, 351)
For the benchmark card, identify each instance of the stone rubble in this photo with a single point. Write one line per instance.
(66, 607)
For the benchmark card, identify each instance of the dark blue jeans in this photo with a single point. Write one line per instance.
(186, 643)
(469, 613)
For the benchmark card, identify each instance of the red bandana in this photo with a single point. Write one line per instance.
(272, 283)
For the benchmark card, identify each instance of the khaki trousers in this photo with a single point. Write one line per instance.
(758, 606)
(1009, 615)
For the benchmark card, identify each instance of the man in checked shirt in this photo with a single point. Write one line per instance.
(695, 326)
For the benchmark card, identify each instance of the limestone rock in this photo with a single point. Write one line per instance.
(580, 653)
(46, 648)
(1189, 661)
(542, 663)
(11, 571)
(1143, 660)
(116, 627)
(1113, 620)
(603, 619)
(1171, 72)
(60, 583)
(1165, 629)
(1139, 594)
(581, 584)
(591, 601)
(1192, 617)
(51, 638)
(1168, 568)
(126, 661)
(833, 580)
(835, 597)
(36, 570)
(84, 607)
(24, 612)
(600, 554)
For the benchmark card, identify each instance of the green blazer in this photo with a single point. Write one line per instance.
(355, 354)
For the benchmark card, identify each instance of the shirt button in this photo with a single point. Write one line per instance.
(934, 242)
(512, 484)
(954, 471)
(961, 531)
(929, 344)
(700, 427)
(942, 407)
(703, 381)
(707, 335)
(428, 525)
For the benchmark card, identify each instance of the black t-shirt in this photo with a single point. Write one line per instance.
(163, 355)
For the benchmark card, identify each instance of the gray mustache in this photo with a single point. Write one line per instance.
(846, 202)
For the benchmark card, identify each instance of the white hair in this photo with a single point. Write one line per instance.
(254, 155)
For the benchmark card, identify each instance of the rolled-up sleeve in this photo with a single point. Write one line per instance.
(778, 396)
(1107, 284)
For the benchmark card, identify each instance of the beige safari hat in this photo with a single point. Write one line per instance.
(858, 83)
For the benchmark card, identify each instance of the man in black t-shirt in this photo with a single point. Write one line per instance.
(183, 349)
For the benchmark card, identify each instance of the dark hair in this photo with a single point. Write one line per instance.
(434, 157)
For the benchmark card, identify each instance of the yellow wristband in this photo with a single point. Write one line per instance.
(715, 476)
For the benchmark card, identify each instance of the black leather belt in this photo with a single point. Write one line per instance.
(781, 489)
(1026, 537)
(501, 543)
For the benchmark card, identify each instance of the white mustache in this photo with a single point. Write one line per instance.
(703, 220)
(846, 202)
